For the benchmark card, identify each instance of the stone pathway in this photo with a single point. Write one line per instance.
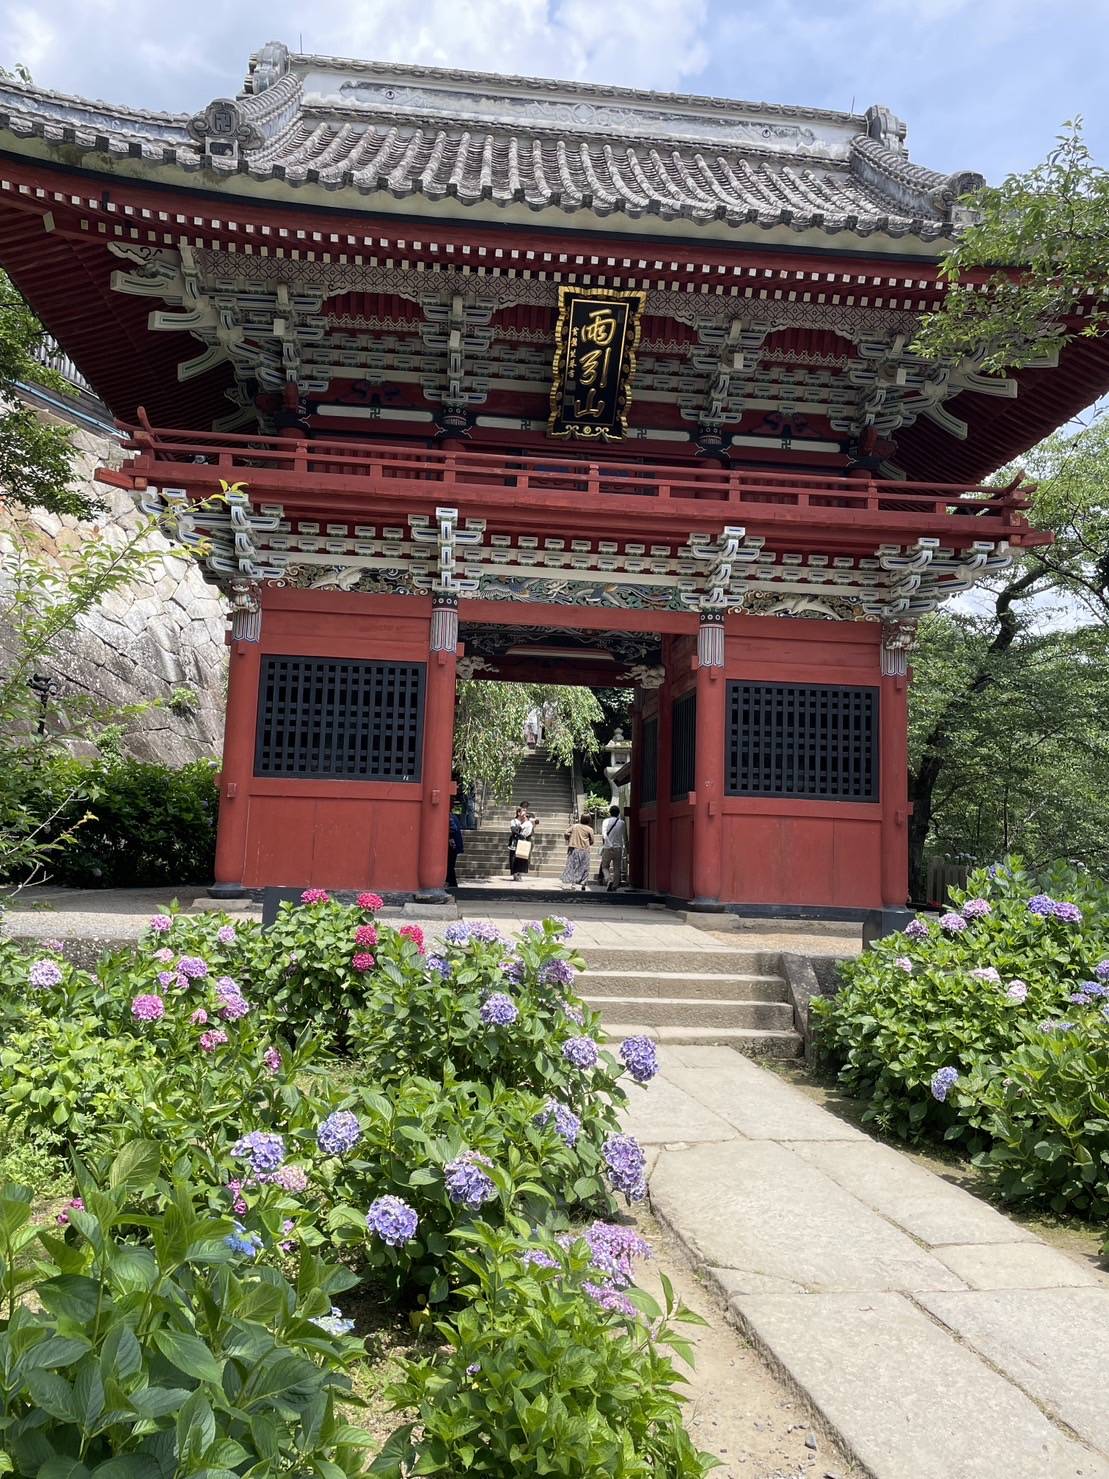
(935, 1337)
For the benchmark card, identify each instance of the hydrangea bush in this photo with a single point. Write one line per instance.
(992, 1032)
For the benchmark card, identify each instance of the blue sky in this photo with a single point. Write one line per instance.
(983, 84)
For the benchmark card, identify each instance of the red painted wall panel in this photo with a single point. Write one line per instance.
(681, 850)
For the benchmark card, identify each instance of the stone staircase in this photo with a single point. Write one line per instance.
(546, 786)
(733, 998)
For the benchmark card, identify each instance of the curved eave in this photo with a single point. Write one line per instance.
(787, 229)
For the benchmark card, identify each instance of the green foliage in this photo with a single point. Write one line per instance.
(1032, 1064)
(1050, 223)
(534, 1378)
(35, 456)
(115, 822)
(489, 729)
(145, 1345)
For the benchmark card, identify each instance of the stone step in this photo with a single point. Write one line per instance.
(709, 961)
(751, 1042)
(694, 1012)
(686, 984)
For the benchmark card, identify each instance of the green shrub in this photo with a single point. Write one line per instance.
(535, 1377)
(183, 1350)
(150, 824)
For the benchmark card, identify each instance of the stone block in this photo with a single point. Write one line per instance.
(662, 1113)
(1028, 1265)
(756, 1102)
(908, 1400)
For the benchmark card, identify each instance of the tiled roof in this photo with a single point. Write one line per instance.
(377, 129)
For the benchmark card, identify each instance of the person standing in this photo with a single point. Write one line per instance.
(614, 836)
(520, 833)
(455, 845)
(579, 840)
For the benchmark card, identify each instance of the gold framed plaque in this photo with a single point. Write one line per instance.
(596, 336)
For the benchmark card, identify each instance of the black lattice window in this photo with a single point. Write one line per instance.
(806, 741)
(648, 770)
(327, 718)
(683, 746)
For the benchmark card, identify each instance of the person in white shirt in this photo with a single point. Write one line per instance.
(614, 835)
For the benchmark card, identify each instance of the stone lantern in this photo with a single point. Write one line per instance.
(619, 753)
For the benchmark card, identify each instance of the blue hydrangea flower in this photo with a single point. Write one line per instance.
(245, 1243)
(1080, 998)
(916, 929)
(1068, 913)
(952, 923)
(498, 1010)
(467, 1184)
(942, 1082)
(457, 933)
(334, 1323)
(513, 971)
(392, 1220)
(339, 1133)
(612, 1301)
(537, 1258)
(1094, 988)
(1058, 1024)
(627, 1166)
(557, 973)
(264, 1152)
(437, 963)
(1041, 904)
(580, 1051)
(566, 1123)
(1101, 970)
(639, 1057)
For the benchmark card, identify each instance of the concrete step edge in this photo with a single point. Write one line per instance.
(739, 977)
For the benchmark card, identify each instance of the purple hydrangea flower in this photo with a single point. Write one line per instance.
(1017, 991)
(457, 933)
(160, 923)
(234, 1007)
(942, 1082)
(952, 923)
(199, 1018)
(557, 973)
(437, 963)
(916, 929)
(339, 1133)
(639, 1057)
(513, 970)
(1105, 1012)
(612, 1301)
(563, 927)
(148, 1008)
(1094, 988)
(1041, 904)
(573, 1011)
(531, 927)
(214, 1038)
(164, 955)
(263, 1151)
(612, 1247)
(566, 1123)
(987, 973)
(537, 1258)
(167, 979)
(976, 908)
(580, 1051)
(392, 1220)
(56, 946)
(627, 1166)
(486, 933)
(241, 1241)
(1101, 970)
(272, 1060)
(226, 934)
(498, 1010)
(904, 963)
(192, 966)
(1080, 999)
(1068, 913)
(44, 973)
(467, 1184)
(290, 1178)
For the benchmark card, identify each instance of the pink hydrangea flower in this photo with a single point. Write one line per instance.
(903, 963)
(164, 955)
(1017, 991)
(54, 946)
(371, 902)
(363, 961)
(238, 1201)
(987, 973)
(290, 1178)
(148, 1007)
(214, 1038)
(226, 934)
(414, 933)
(161, 923)
(272, 1059)
(234, 1007)
(167, 978)
(199, 1017)
(976, 908)
(366, 935)
(315, 896)
(76, 1205)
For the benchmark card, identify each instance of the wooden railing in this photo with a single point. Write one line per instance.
(286, 463)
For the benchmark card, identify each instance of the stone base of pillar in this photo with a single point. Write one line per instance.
(878, 923)
(707, 906)
(228, 891)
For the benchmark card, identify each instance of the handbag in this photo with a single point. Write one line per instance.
(523, 848)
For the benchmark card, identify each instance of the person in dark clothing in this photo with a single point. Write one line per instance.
(455, 847)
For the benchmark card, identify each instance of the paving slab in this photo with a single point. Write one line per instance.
(908, 1400)
(759, 1105)
(757, 1207)
(662, 1113)
(1053, 1343)
(1019, 1266)
(918, 1200)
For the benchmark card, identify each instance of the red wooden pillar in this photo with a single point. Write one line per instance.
(635, 839)
(662, 778)
(240, 722)
(894, 765)
(708, 821)
(438, 742)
